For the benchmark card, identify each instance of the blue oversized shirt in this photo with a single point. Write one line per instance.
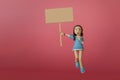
(77, 43)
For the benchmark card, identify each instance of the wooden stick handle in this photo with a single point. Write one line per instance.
(60, 35)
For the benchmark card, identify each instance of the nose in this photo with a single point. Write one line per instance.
(77, 29)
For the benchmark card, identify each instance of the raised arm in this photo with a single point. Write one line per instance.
(67, 35)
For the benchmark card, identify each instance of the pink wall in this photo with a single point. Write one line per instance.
(26, 41)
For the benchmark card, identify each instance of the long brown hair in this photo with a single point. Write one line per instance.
(74, 30)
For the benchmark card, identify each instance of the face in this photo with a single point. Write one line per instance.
(77, 30)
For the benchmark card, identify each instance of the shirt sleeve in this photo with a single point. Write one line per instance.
(70, 36)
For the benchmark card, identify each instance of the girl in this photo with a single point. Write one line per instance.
(78, 45)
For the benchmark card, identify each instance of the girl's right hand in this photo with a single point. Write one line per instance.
(61, 33)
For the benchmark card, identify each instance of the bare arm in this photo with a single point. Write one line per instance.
(82, 40)
(67, 35)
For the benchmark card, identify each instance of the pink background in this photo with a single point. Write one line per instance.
(29, 48)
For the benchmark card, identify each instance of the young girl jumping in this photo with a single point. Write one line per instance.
(77, 36)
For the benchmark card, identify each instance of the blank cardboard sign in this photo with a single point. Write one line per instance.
(58, 15)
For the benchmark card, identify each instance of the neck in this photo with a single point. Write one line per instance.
(78, 35)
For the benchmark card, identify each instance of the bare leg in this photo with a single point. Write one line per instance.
(80, 58)
(76, 55)
(76, 59)
(80, 61)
